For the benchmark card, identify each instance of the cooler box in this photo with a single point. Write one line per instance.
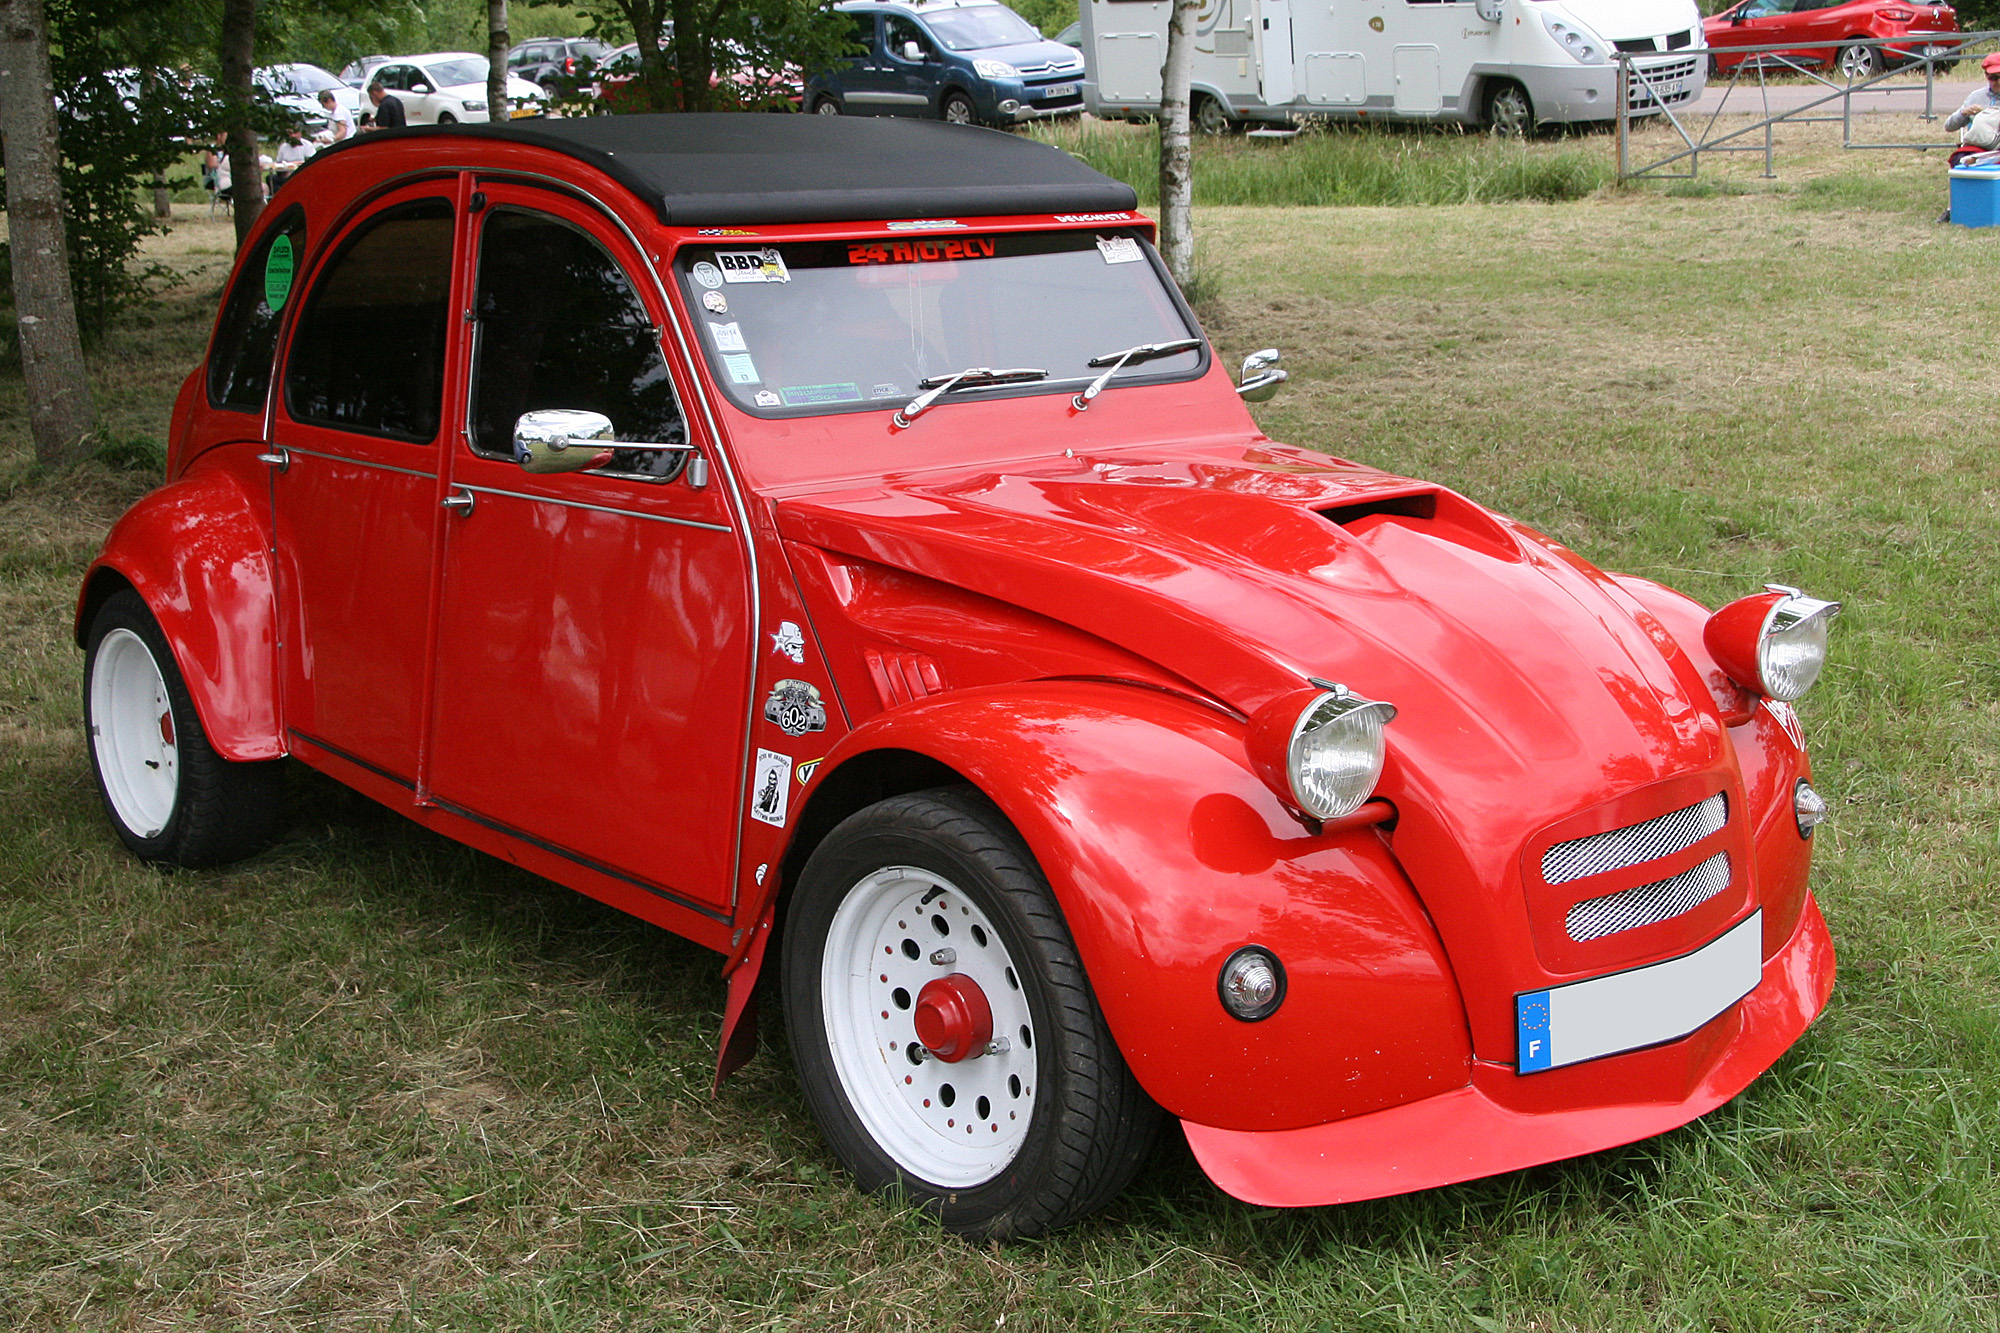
(1975, 196)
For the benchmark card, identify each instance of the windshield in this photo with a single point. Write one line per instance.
(977, 29)
(839, 326)
(451, 73)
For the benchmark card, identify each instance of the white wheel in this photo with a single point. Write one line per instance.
(907, 955)
(132, 733)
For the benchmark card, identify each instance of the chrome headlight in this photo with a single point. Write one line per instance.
(475, 106)
(1773, 642)
(1326, 756)
(995, 69)
(1583, 45)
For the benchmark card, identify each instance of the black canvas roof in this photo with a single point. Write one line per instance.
(724, 169)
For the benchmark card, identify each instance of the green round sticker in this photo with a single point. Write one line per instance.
(278, 273)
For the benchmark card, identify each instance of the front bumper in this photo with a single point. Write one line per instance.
(1503, 1121)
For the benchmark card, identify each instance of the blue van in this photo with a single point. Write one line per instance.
(966, 61)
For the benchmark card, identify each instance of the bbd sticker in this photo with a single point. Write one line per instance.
(771, 795)
(795, 707)
(765, 265)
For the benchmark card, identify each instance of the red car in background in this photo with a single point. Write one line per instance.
(743, 87)
(1829, 33)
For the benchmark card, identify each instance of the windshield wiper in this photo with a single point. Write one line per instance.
(976, 378)
(1131, 356)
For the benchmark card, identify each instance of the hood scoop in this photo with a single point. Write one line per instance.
(1421, 507)
(1435, 513)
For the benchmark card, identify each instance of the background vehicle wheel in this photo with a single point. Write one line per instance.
(826, 106)
(957, 108)
(926, 914)
(1858, 62)
(446, 118)
(172, 798)
(1508, 112)
(1211, 117)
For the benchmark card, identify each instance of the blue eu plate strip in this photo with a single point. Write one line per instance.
(1531, 1024)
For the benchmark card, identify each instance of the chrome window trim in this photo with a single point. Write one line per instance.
(297, 452)
(596, 508)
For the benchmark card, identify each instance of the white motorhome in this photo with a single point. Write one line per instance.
(1509, 64)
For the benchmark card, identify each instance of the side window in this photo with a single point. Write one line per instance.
(239, 365)
(897, 30)
(863, 35)
(394, 76)
(368, 351)
(560, 326)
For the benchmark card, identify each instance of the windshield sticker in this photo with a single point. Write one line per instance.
(1093, 217)
(787, 641)
(765, 398)
(707, 274)
(742, 370)
(715, 302)
(278, 273)
(926, 224)
(886, 391)
(925, 252)
(765, 265)
(774, 793)
(801, 395)
(795, 707)
(728, 338)
(1118, 249)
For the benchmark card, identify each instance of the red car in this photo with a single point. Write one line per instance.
(1832, 28)
(833, 540)
(746, 86)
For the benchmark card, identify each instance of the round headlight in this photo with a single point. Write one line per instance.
(1252, 984)
(1773, 642)
(1321, 749)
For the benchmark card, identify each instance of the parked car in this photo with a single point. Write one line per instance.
(835, 541)
(355, 72)
(297, 87)
(450, 86)
(1072, 35)
(740, 81)
(1831, 25)
(548, 61)
(965, 61)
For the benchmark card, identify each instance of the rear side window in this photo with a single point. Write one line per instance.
(239, 365)
(368, 353)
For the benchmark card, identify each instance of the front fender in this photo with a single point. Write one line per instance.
(1166, 854)
(198, 551)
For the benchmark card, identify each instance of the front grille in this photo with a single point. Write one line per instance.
(1595, 918)
(1601, 853)
(1633, 45)
(1658, 76)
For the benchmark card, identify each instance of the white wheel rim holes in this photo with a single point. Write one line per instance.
(132, 728)
(952, 1125)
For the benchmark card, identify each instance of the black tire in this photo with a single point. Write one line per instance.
(1088, 1123)
(957, 109)
(446, 118)
(1508, 111)
(826, 105)
(171, 797)
(1211, 117)
(1858, 62)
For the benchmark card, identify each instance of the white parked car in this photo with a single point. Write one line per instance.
(446, 87)
(297, 87)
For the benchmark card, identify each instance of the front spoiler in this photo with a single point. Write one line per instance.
(1493, 1124)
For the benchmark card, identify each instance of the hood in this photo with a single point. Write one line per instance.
(1032, 57)
(1529, 685)
(1624, 20)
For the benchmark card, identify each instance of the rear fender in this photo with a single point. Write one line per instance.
(1167, 854)
(197, 551)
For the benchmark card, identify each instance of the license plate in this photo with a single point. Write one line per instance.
(1935, 50)
(517, 112)
(1060, 90)
(1645, 1006)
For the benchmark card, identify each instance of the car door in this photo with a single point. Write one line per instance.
(911, 86)
(355, 487)
(397, 81)
(863, 82)
(594, 638)
(1755, 23)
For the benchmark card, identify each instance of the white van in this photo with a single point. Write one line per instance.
(1509, 64)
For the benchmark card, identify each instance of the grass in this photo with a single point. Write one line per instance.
(371, 1079)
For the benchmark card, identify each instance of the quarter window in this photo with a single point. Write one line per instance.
(239, 367)
(561, 326)
(368, 355)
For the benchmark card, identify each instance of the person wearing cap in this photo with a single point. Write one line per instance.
(1982, 99)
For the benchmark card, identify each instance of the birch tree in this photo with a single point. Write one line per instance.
(496, 60)
(59, 409)
(1176, 153)
(239, 95)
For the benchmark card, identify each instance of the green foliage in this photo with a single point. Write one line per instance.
(723, 55)
(1051, 16)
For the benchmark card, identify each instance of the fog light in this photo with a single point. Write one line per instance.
(1809, 806)
(1252, 984)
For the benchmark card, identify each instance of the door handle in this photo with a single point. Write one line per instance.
(459, 501)
(280, 459)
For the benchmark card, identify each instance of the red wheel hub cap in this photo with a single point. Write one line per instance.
(953, 1018)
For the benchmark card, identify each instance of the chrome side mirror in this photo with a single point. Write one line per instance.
(560, 440)
(1261, 376)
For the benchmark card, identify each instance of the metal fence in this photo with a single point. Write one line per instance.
(1702, 133)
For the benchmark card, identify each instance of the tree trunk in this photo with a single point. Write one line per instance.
(496, 60)
(239, 64)
(1176, 154)
(163, 201)
(59, 411)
